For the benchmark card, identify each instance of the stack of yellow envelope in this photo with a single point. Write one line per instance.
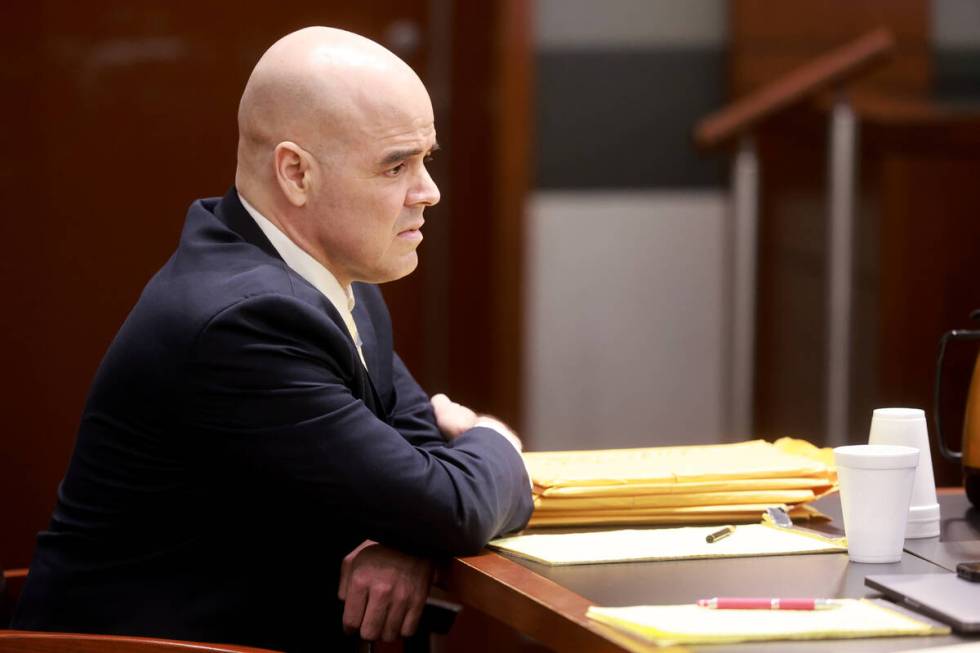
(705, 484)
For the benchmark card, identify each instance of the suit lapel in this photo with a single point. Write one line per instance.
(369, 342)
(369, 347)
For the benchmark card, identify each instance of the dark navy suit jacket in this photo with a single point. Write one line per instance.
(233, 449)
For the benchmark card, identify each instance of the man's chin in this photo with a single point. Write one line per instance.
(407, 266)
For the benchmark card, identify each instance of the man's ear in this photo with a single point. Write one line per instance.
(293, 172)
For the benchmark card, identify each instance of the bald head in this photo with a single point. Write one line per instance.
(319, 88)
(334, 133)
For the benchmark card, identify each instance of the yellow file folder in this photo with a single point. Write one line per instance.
(668, 625)
(671, 465)
(817, 485)
(736, 497)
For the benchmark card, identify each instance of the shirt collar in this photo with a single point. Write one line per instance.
(303, 264)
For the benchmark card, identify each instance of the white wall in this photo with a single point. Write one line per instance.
(625, 308)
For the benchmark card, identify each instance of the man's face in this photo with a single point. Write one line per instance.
(366, 212)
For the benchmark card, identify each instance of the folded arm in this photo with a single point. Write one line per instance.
(272, 383)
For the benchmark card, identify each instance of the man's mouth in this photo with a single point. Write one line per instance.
(413, 232)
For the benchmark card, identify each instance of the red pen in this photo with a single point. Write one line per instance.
(750, 603)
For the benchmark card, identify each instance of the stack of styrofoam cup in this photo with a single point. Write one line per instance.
(907, 427)
(875, 489)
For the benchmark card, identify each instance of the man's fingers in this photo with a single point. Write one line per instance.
(346, 565)
(354, 605)
(344, 577)
(411, 621)
(440, 405)
(396, 615)
(385, 591)
(376, 612)
(452, 418)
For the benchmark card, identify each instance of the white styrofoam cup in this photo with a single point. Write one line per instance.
(875, 490)
(907, 427)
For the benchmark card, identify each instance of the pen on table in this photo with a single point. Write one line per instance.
(752, 603)
(719, 534)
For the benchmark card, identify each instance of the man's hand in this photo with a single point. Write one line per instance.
(452, 418)
(384, 591)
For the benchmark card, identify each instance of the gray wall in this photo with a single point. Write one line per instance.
(956, 49)
(620, 84)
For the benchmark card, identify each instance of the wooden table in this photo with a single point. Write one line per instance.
(549, 603)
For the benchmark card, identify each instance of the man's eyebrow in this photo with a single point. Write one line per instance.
(396, 156)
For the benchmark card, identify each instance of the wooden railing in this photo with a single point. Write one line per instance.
(830, 71)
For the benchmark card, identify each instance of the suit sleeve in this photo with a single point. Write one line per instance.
(413, 416)
(269, 387)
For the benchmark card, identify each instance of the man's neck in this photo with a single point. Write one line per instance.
(255, 203)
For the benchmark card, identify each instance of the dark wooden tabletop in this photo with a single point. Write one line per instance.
(549, 603)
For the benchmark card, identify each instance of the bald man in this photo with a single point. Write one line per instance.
(255, 464)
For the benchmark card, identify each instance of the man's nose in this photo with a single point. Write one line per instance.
(425, 191)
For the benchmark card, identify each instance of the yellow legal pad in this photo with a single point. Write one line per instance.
(685, 484)
(669, 625)
(664, 544)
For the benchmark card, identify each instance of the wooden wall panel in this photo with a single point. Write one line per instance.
(489, 136)
(930, 267)
(770, 38)
(916, 233)
(800, 21)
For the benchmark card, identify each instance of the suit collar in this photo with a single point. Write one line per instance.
(231, 212)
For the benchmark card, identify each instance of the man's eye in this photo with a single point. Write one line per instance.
(397, 170)
(427, 158)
